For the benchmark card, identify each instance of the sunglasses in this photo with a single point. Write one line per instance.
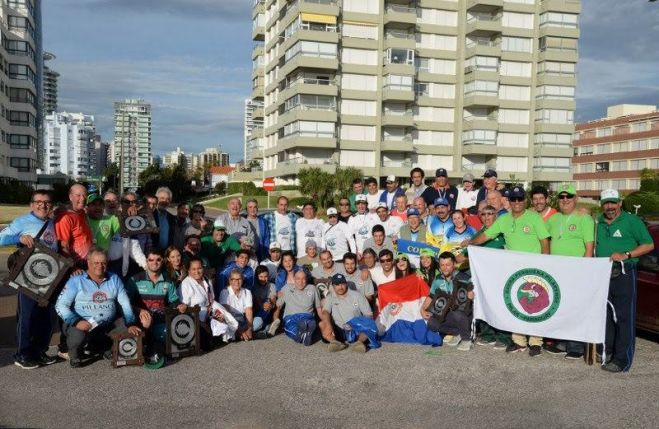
(386, 260)
(565, 197)
(516, 200)
(131, 202)
(487, 214)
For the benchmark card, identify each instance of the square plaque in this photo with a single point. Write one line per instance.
(127, 349)
(183, 338)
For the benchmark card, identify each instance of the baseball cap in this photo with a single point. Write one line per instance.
(426, 252)
(401, 255)
(361, 198)
(338, 279)
(331, 211)
(391, 178)
(274, 245)
(490, 173)
(310, 243)
(218, 224)
(567, 188)
(505, 193)
(441, 172)
(440, 202)
(413, 212)
(94, 197)
(609, 196)
(381, 205)
(468, 178)
(517, 192)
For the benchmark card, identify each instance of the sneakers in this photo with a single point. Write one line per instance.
(535, 351)
(611, 367)
(44, 359)
(272, 331)
(26, 363)
(261, 335)
(499, 345)
(452, 341)
(336, 346)
(485, 342)
(465, 345)
(574, 356)
(552, 349)
(63, 355)
(514, 348)
(75, 363)
(358, 347)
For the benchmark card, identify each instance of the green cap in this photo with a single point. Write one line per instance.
(427, 252)
(93, 198)
(400, 255)
(567, 188)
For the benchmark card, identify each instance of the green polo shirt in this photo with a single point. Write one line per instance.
(624, 234)
(497, 242)
(570, 233)
(215, 253)
(522, 234)
(103, 230)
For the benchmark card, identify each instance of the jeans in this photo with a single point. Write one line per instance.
(34, 327)
(98, 338)
(621, 331)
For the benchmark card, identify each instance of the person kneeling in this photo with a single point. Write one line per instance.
(453, 286)
(347, 318)
(238, 301)
(299, 301)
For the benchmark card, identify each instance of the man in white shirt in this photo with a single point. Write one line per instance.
(384, 272)
(307, 228)
(280, 226)
(360, 224)
(391, 224)
(238, 301)
(417, 187)
(336, 236)
(373, 195)
(272, 263)
(467, 195)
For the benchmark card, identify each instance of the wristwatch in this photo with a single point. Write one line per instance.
(629, 255)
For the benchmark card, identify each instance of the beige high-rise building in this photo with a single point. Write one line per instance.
(131, 149)
(387, 85)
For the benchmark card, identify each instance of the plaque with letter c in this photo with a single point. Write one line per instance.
(183, 338)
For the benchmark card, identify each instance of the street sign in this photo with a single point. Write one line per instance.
(269, 184)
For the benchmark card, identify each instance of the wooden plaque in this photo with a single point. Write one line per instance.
(127, 349)
(141, 223)
(441, 304)
(38, 272)
(183, 338)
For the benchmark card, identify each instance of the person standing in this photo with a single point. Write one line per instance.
(344, 213)
(373, 194)
(103, 226)
(417, 175)
(308, 228)
(490, 183)
(388, 197)
(33, 325)
(524, 231)
(539, 201)
(164, 220)
(467, 194)
(336, 236)
(280, 226)
(258, 226)
(622, 237)
(441, 189)
(357, 189)
(181, 223)
(236, 225)
(360, 224)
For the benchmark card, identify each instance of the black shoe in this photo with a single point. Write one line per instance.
(514, 348)
(574, 356)
(107, 355)
(261, 335)
(552, 349)
(535, 351)
(44, 359)
(612, 367)
(26, 363)
(75, 363)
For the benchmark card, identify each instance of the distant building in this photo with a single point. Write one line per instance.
(253, 128)
(219, 174)
(50, 78)
(98, 156)
(213, 157)
(176, 157)
(611, 152)
(67, 140)
(131, 148)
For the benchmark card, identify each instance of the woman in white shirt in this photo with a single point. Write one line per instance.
(195, 289)
(238, 301)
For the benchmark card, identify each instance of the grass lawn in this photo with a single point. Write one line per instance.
(262, 200)
(11, 212)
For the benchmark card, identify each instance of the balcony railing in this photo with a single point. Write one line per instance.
(484, 18)
(486, 43)
(399, 8)
(315, 106)
(396, 34)
(311, 81)
(398, 87)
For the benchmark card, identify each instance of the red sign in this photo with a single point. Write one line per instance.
(269, 184)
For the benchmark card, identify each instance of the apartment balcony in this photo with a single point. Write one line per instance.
(404, 145)
(551, 174)
(257, 50)
(554, 102)
(319, 141)
(481, 98)
(567, 6)
(398, 120)
(292, 167)
(308, 35)
(398, 93)
(489, 122)
(311, 86)
(478, 148)
(310, 60)
(559, 31)
(552, 150)
(556, 78)
(258, 33)
(545, 127)
(257, 113)
(256, 133)
(487, 25)
(487, 48)
(484, 3)
(399, 39)
(398, 15)
(568, 55)
(321, 7)
(307, 112)
(399, 69)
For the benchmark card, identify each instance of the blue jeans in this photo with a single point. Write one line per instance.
(34, 327)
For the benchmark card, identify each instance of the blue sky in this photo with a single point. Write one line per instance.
(191, 59)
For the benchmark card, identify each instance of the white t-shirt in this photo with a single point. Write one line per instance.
(360, 226)
(236, 304)
(466, 199)
(391, 226)
(283, 230)
(308, 229)
(192, 293)
(338, 239)
(378, 276)
(373, 200)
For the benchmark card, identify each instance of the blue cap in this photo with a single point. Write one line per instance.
(338, 279)
(441, 172)
(506, 193)
(413, 212)
(517, 192)
(490, 173)
(440, 202)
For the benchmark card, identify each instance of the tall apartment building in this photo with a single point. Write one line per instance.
(20, 90)
(611, 152)
(98, 156)
(213, 157)
(50, 78)
(253, 120)
(131, 148)
(176, 157)
(67, 140)
(385, 85)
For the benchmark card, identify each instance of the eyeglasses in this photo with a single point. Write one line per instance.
(386, 260)
(516, 199)
(401, 259)
(42, 203)
(487, 214)
(565, 197)
(110, 201)
(125, 201)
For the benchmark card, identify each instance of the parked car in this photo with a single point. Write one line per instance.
(647, 303)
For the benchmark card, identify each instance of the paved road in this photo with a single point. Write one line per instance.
(276, 383)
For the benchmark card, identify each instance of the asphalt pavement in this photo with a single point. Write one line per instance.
(277, 383)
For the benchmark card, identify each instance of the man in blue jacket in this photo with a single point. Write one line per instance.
(88, 307)
(34, 326)
(392, 191)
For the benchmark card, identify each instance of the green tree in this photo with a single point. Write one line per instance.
(649, 180)
(111, 173)
(649, 202)
(221, 188)
(343, 179)
(152, 172)
(318, 184)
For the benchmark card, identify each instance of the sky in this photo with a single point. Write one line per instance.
(191, 59)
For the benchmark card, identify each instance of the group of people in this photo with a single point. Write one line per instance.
(252, 273)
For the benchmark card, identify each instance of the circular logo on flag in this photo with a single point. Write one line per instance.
(532, 295)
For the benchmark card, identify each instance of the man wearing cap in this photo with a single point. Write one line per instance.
(417, 185)
(524, 231)
(310, 260)
(391, 224)
(273, 260)
(378, 240)
(358, 280)
(357, 189)
(441, 189)
(280, 226)
(360, 223)
(339, 309)
(103, 226)
(439, 224)
(308, 228)
(539, 197)
(489, 184)
(373, 194)
(216, 246)
(467, 194)
(623, 238)
(414, 231)
(393, 190)
(572, 234)
(336, 236)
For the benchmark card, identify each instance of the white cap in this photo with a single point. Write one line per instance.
(331, 211)
(609, 196)
(275, 245)
(391, 178)
(218, 224)
(382, 204)
(361, 197)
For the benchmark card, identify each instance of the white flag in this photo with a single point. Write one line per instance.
(561, 297)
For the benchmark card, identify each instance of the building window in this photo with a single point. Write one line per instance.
(637, 164)
(21, 164)
(23, 119)
(400, 56)
(516, 44)
(21, 141)
(21, 95)
(603, 148)
(639, 127)
(638, 145)
(19, 47)
(21, 72)
(562, 20)
(601, 167)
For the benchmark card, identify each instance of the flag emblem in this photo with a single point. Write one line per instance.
(532, 295)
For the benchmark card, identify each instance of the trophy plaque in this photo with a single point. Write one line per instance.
(141, 223)
(37, 272)
(127, 349)
(441, 304)
(182, 332)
